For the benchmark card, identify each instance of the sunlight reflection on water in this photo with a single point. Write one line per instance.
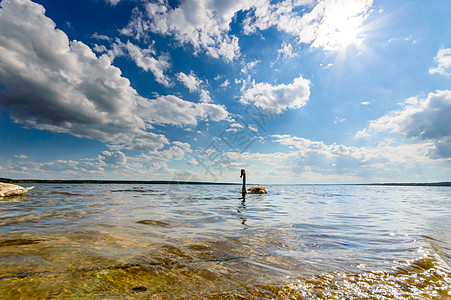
(162, 241)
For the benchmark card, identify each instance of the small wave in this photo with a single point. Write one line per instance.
(134, 190)
(13, 198)
(422, 278)
(60, 193)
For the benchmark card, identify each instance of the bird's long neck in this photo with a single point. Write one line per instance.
(244, 184)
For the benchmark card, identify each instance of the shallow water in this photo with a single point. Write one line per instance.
(202, 241)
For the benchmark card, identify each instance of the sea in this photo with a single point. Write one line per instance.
(183, 241)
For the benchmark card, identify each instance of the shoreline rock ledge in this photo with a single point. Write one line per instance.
(9, 189)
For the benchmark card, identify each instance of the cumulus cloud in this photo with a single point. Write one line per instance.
(318, 156)
(190, 81)
(177, 151)
(193, 83)
(359, 163)
(144, 59)
(326, 25)
(107, 164)
(331, 21)
(206, 24)
(54, 84)
(426, 120)
(203, 24)
(443, 60)
(113, 158)
(205, 96)
(105, 160)
(175, 111)
(308, 161)
(280, 97)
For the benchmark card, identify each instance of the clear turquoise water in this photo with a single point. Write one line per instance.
(203, 241)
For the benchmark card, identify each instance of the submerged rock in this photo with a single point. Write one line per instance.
(153, 223)
(18, 242)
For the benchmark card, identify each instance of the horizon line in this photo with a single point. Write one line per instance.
(114, 181)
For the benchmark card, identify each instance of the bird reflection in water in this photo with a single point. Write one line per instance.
(241, 209)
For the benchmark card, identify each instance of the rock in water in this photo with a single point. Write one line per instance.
(154, 223)
(8, 189)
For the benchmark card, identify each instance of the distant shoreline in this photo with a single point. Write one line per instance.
(8, 180)
(88, 181)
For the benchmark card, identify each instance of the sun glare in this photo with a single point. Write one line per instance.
(342, 26)
(348, 34)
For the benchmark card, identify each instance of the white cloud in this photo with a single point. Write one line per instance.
(249, 66)
(252, 128)
(280, 97)
(193, 84)
(329, 24)
(107, 165)
(57, 85)
(175, 111)
(190, 81)
(205, 96)
(325, 67)
(58, 168)
(443, 60)
(206, 24)
(100, 48)
(113, 158)
(54, 84)
(370, 163)
(236, 125)
(177, 151)
(332, 21)
(225, 84)
(20, 156)
(113, 2)
(286, 51)
(426, 120)
(97, 36)
(203, 24)
(339, 120)
(308, 161)
(361, 134)
(144, 59)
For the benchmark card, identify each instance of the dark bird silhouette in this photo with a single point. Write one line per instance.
(256, 189)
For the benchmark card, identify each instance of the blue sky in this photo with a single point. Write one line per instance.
(306, 91)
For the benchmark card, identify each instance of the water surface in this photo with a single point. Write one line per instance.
(119, 241)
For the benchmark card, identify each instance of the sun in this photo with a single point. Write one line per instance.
(348, 33)
(341, 26)
(341, 33)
